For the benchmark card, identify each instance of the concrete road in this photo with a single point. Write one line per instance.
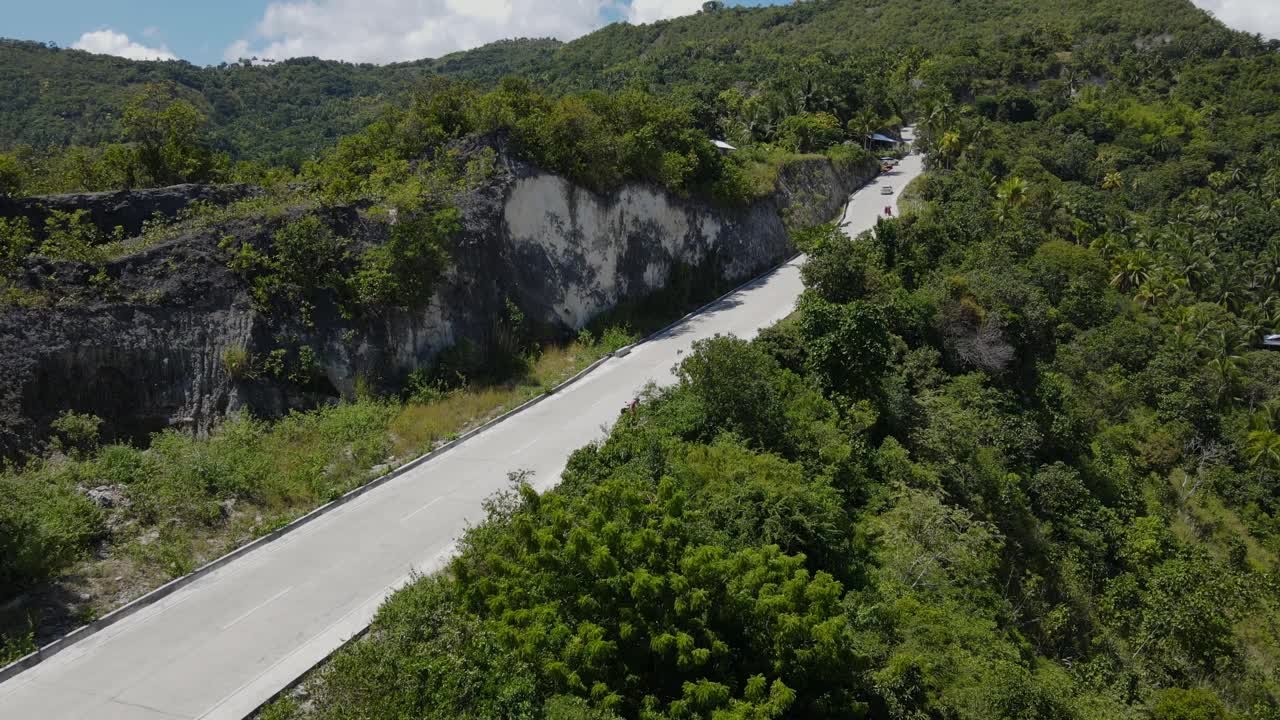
(225, 643)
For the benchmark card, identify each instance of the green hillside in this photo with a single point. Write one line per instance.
(1015, 456)
(278, 113)
(288, 111)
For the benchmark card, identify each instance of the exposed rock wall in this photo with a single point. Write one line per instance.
(151, 355)
(576, 254)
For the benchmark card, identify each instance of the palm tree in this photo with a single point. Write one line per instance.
(1263, 448)
(939, 116)
(1266, 267)
(1109, 245)
(1010, 194)
(865, 122)
(949, 146)
(1161, 287)
(1224, 348)
(1131, 269)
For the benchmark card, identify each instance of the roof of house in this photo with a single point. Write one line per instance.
(723, 145)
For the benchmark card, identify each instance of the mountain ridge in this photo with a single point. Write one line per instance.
(285, 112)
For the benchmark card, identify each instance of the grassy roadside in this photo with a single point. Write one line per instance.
(911, 201)
(165, 511)
(89, 528)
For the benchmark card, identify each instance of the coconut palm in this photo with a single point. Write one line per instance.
(865, 122)
(1131, 269)
(1263, 448)
(949, 147)
(1266, 267)
(1010, 195)
(1160, 288)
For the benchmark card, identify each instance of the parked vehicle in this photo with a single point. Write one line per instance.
(886, 190)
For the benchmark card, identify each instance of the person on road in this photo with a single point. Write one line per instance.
(888, 211)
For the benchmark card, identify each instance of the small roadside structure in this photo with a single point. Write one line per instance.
(723, 146)
(884, 140)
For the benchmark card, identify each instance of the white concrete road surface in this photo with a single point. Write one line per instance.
(228, 641)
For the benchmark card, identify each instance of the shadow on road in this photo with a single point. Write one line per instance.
(719, 306)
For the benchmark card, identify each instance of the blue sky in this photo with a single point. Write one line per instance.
(371, 30)
(195, 31)
(206, 32)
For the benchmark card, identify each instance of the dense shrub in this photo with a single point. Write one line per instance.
(12, 175)
(45, 525)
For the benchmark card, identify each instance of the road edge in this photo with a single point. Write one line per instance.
(619, 353)
(54, 647)
(124, 611)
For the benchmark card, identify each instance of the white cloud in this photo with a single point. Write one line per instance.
(110, 42)
(1254, 16)
(647, 11)
(392, 30)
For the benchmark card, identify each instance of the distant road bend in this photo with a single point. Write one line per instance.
(227, 642)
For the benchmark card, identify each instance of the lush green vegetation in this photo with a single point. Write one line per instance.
(280, 114)
(1015, 456)
(409, 168)
(828, 56)
(183, 501)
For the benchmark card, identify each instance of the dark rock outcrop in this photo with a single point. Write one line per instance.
(127, 209)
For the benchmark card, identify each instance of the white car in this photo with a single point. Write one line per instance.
(886, 190)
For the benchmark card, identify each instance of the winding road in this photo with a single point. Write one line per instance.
(222, 645)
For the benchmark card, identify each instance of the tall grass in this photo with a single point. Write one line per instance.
(186, 500)
(418, 427)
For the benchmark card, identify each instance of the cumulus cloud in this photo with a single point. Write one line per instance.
(110, 42)
(391, 30)
(647, 11)
(1254, 16)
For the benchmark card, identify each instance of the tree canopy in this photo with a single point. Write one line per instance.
(1014, 456)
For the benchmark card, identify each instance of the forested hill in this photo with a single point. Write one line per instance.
(747, 44)
(284, 113)
(1015, 456)
(278, 113)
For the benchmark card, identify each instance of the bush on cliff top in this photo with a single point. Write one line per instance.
(12, 175)
(599, 140)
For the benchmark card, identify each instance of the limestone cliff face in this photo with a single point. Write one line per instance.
(150, 354)
(577, 254)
